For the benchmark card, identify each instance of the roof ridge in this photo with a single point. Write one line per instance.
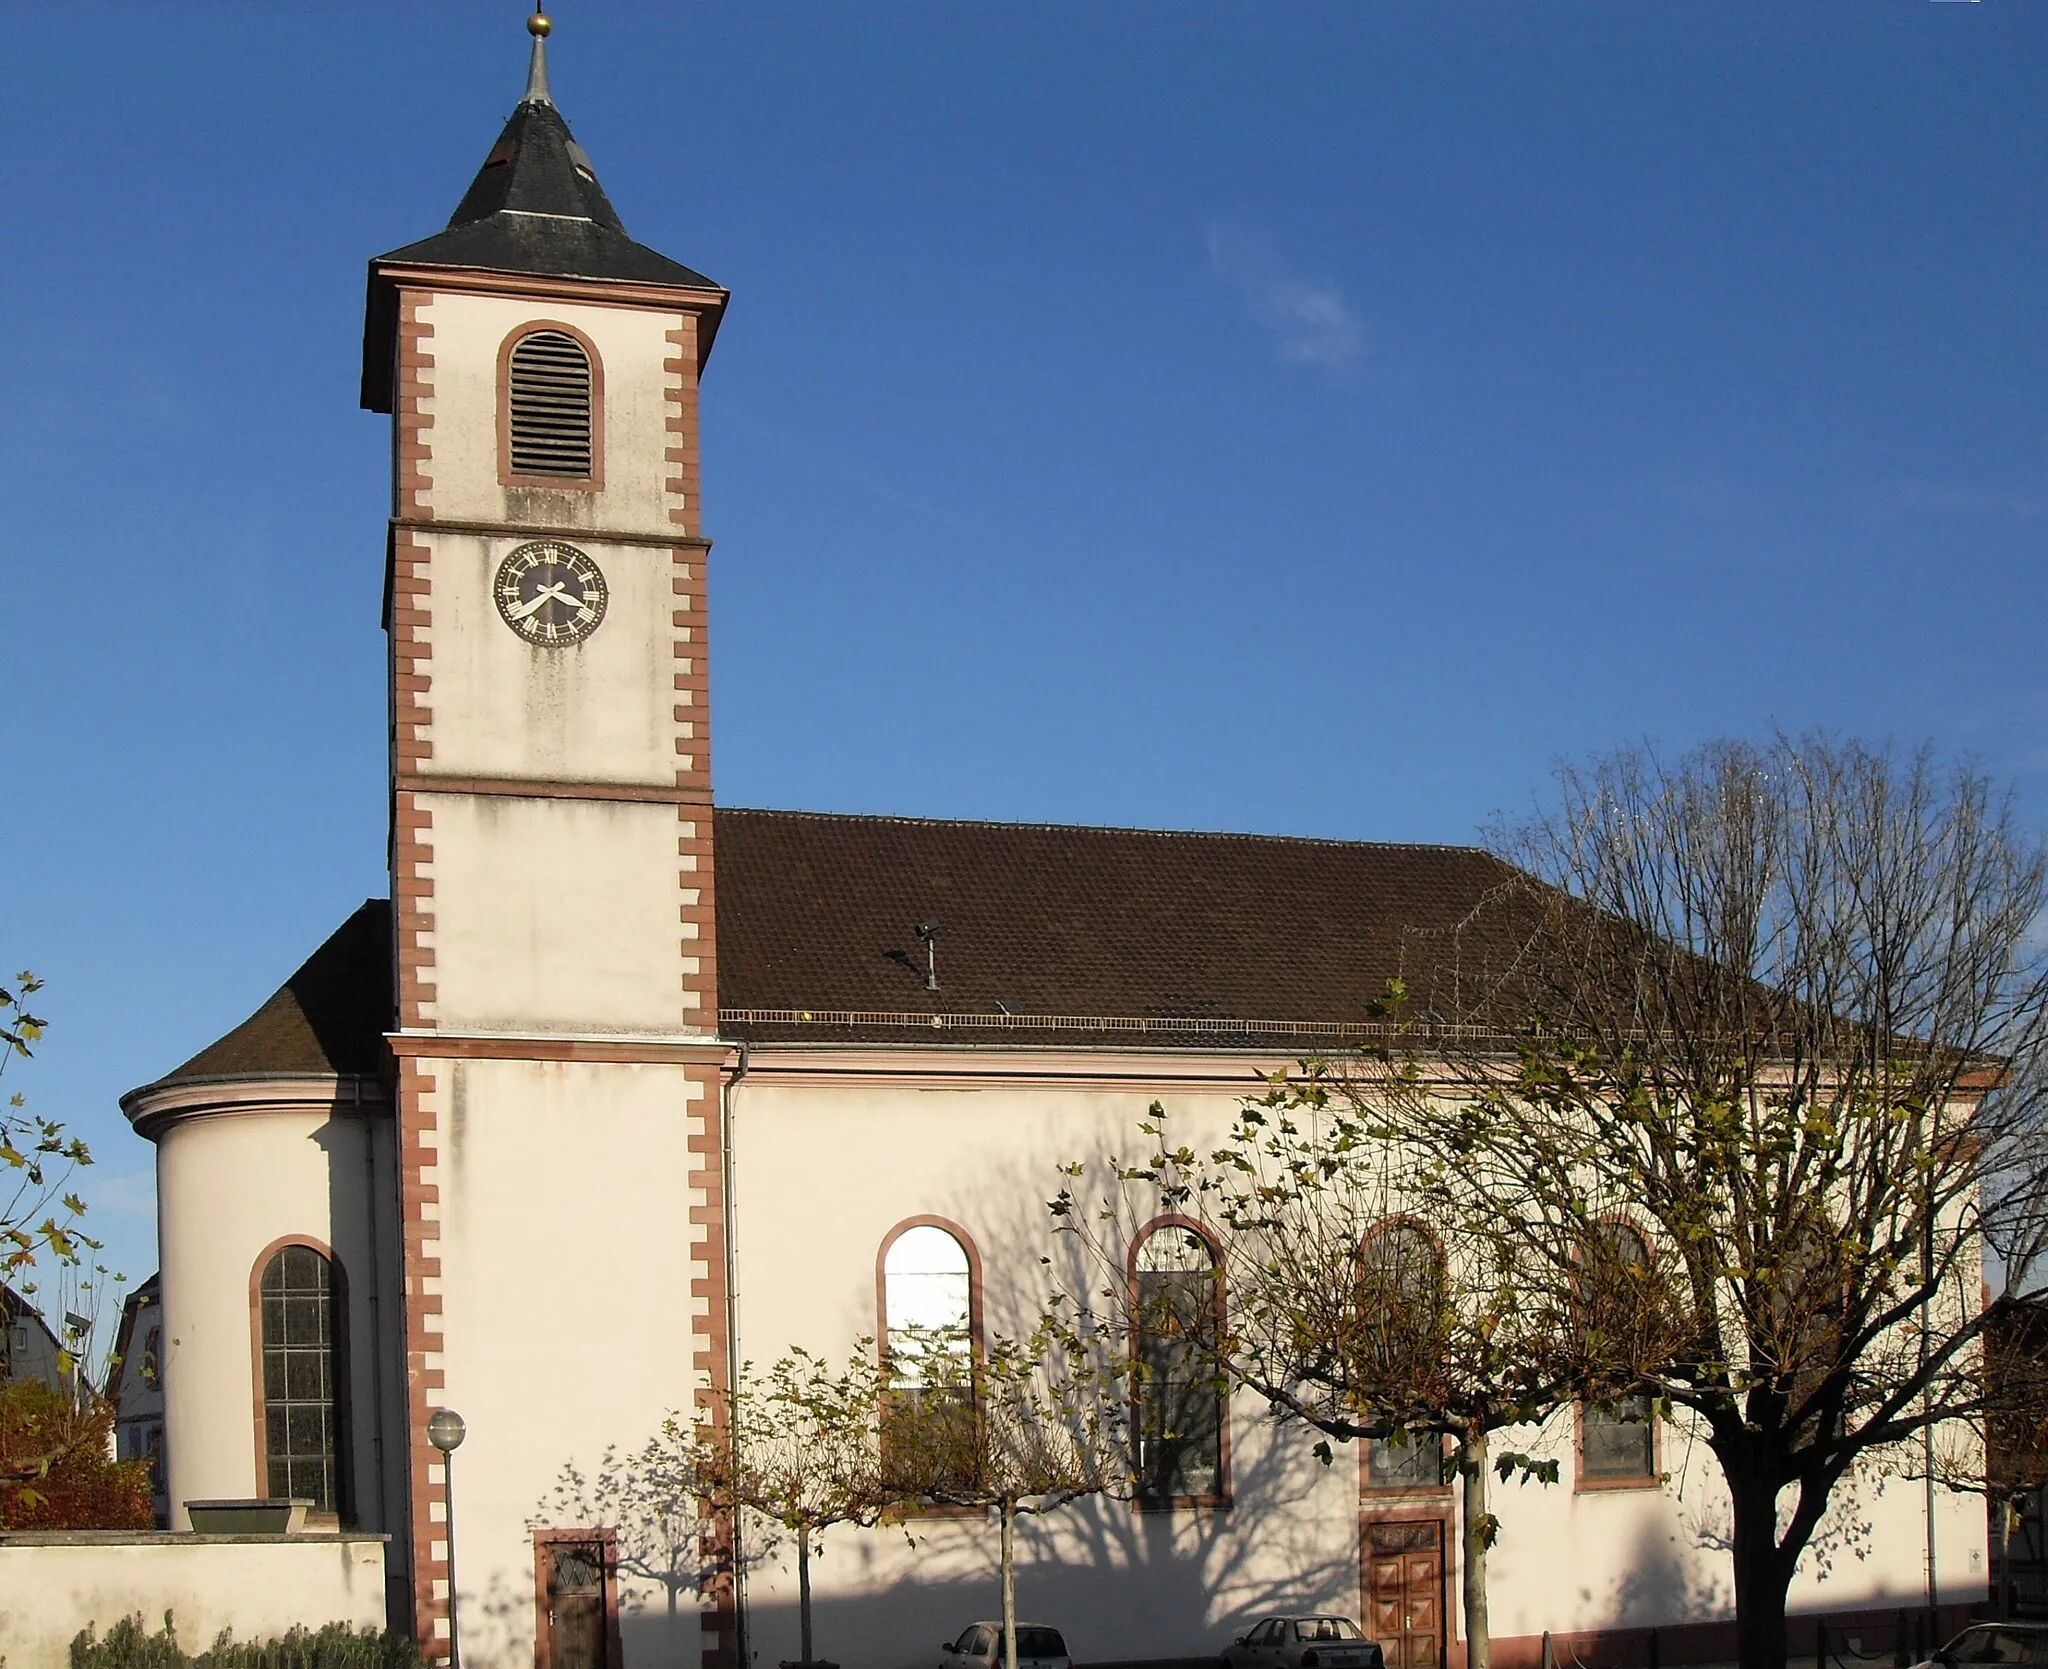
(1098, 828)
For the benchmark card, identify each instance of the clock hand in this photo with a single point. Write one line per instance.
(546, 594)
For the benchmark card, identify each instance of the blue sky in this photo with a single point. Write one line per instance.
(1306, 418)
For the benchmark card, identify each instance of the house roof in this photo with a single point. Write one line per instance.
(535, 207)
(1041, 932)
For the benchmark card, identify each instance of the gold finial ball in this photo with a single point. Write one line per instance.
(540, 25)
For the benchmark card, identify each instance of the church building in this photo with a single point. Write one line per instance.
(622, 1087)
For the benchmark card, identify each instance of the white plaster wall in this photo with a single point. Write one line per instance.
(823, 1172)
(549, 915)
(229, 1184)
(1631, 1558)
(468, 331)
(52, 1587)
(821, 1176)
(567, 1257)
(602, 710)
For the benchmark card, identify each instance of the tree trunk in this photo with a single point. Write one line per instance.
(803, 1587)
(1762, 1573)
(2001, 1554)
(1472, 1565)
(1009, 1510)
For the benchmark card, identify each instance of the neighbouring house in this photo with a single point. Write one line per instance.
(2016, 1464)
(135, 1388)
(620, 1088)
(33, 1350)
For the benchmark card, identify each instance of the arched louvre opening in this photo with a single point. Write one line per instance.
(549, 401)
(301, 1319)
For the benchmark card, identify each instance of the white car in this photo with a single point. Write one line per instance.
(980, 1646)
(2018, 1643)
(1304, 1643)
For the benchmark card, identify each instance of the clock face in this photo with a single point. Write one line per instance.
(550, 593)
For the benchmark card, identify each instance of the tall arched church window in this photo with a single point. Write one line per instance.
(1177, 1292)
(300, 1318)
(550, 408)
(928, 1308)
(1617, 1438)
(928, 1321)
(1400, 1299)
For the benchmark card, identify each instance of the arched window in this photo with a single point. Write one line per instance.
(929, 1301)
(1177, 1292)
(550, 408)
(1400, 1327)
(299, 1299)
(928, 1308)
(1617, 1438)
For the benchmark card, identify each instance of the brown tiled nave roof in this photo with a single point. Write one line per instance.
(1099, 935)
(1043, 932)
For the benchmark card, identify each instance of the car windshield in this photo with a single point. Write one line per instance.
(1326, 1628)
(1998, 1645)
(1035, 1642)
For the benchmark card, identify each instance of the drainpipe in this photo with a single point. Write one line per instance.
(726, 1099)
(375, 1281)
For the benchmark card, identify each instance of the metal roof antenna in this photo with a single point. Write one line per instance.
(539, 26)
(928, 931)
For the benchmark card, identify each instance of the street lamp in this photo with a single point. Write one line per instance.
(445, 1431)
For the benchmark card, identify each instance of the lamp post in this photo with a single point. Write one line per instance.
(445, 1431)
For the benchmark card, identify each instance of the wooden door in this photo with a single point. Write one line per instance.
(1404, 1590)
(575, 1625)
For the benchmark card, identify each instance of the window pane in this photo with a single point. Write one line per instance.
(1411, 1461)
(299, 1417)
(927, 1306)
(1180, 1401)
(1619, 1440)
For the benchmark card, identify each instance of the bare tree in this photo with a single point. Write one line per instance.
(1359, 1309)
(1782, 1007)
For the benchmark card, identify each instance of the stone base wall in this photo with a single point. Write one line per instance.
(54, 1584)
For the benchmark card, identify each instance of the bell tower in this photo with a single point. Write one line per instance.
(552, 872)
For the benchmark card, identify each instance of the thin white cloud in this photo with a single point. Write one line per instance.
(1310, 322)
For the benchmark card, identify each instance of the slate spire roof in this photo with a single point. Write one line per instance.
(534, 207)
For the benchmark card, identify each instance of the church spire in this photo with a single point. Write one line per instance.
(536, 208)
(539, 26)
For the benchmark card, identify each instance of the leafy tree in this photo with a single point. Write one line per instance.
(1782, 1007)
(801, 1447)
(1042, 1424)
(38, 1211)
(1358, 1308)
(54, 1470)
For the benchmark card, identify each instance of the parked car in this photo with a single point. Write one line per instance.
(1304, 1643)
(980, 1646)
(1993, 1643)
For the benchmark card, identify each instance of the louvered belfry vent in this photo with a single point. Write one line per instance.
(550, 400)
